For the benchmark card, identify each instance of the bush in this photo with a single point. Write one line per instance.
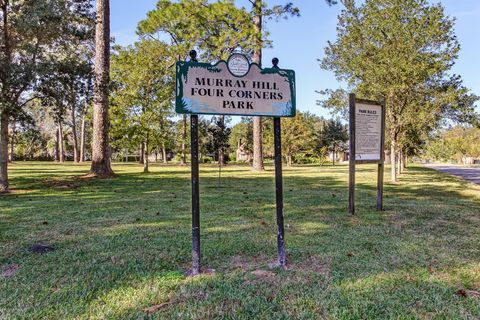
(207, 159)
(306, 158)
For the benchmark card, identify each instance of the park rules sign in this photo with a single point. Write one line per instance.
(368, 132)
(234, 87)
(367, 143)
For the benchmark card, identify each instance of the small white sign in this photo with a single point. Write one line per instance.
(238, 64)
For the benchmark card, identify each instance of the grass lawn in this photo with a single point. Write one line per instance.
(122, 245)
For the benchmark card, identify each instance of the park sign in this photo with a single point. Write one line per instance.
(367, 143)
(234, 87)
(369, 130)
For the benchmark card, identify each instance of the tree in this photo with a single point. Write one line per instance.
(30, 31)
(257, 58)
(144, 94)
(399, 51)
(241, 137)
(260, 40)
(217, 142)
(260, 10)
(296, 136)
(214, 29)
(333, 135)
(101, 165)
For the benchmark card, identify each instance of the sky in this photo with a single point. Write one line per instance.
(299, 42)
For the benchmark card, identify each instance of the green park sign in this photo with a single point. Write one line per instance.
(240, 88)
(234, 87)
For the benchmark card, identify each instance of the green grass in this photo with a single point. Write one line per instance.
(123, 245)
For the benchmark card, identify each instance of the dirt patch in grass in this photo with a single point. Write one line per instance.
(317, 264)
(245, 263)
(69, 183)
(62, 184)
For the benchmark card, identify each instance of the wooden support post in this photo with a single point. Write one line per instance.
(351, 159)
(380, 187)
(381, 165)
(196, 269)
(277, 133)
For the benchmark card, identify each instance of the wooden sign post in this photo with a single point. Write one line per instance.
(234, 87)
(367, 143)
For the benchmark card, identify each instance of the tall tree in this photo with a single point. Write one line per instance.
(257, 58)
(29, 32)
(144, 94)
(261, 11)
(101, 165)
(214, 29)
(399, 51)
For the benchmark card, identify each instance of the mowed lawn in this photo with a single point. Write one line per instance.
(122, 245)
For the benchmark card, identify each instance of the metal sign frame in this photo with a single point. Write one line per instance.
(352, 161)
(196, 248)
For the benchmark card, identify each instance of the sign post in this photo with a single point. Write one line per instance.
(277, 136)
(195, 196)
(234, 87)
(367, 143)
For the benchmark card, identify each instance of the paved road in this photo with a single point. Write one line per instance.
(471, 174)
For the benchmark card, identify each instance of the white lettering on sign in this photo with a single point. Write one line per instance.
(368, 132)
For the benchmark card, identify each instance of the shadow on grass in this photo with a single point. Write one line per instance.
(122, 245)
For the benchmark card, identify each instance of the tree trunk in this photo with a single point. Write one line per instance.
(145, 155)
(101, 165)
(257, 58)
(164, 153)
(74, 136)
(82, 140)
(183, 160)
(142, 151)
(221, 157)
(4, 152)
(393, 162)
(12, 141)
(6, 60)
(61, 145)
(289, 160)
(333, 156)
(156, 155)
(399, 161)
(56, 154)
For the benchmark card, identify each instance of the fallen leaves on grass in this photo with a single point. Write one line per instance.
(245, 262)
(10, 270)
(117, 260)
(263, 273)
(157, 307)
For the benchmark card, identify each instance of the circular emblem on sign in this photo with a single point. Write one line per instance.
(238, 64)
